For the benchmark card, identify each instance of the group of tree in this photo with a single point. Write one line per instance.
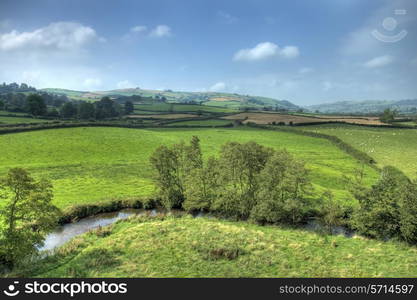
(45, 105)
(388, 116)
(14, 87)
(250, 181)
(388, 209)
(99, 110)
(247, 181)
(26, 215)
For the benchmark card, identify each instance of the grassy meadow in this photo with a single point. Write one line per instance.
(388, 146)
(203, 247)
(213, 122)
(88, 165)
(20, 120)
(175, 107)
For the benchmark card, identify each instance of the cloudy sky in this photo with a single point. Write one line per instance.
(304, 51)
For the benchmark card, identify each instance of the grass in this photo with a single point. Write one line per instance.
(171, 107)
(213, 122)
(202, 247)
(20, 120)
(389, 146)
(88, 165)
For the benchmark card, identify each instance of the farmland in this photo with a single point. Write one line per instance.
(389, 146)
(88, 165)
(202, 247)
(170, 107)
(268, 118)
(20, 120)
(213, 122)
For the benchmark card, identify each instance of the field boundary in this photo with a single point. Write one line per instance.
(347, 148)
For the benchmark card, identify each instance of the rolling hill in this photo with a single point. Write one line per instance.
(366, 107)
(226, 100)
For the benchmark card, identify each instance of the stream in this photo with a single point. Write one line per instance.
(65, 232)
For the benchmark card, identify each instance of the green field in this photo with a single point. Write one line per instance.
(20, 120)
(167, 107)
(202, 247)
(87, 165)
(213, 122)
(388, 146)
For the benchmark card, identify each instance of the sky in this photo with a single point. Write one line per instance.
(304, 51)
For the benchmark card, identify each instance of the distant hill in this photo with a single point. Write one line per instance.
(366, 107)
(227, 100)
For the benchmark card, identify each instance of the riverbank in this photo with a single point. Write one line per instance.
(183, 246)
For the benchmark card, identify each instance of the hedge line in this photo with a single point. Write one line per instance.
(41, 126)
(359, 155)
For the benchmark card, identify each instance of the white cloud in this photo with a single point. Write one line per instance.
(226, 17)
(161, 31)
(92, 82)
(290, 52)
(305, 70)
(217, 87)
(138, 29)
(124, 84)
(379, 61)
(264, 51)
(55, 36)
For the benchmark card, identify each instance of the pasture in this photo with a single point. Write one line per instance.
(268, 118)
(388, 146)
(203, 247)
(213, 122)
(20, 120)
(178, 108)
(88, 165)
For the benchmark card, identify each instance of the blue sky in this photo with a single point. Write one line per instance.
(304, 51)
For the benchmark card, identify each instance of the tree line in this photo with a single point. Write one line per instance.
(60, 107)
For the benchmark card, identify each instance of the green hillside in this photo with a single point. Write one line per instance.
(203, 247)
(210, 98)
(366, 107)
(389, 146)
(87, 165)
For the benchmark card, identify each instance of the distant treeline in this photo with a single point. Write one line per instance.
(60, 107)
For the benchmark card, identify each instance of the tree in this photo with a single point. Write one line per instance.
(107, 108)
(202, 186)
(283, 186)
(35, 105)
(330, 213)
(379, 211)
(129, 108)
(172, 166)
(240, 165)
(1, 105)
(26, 217)
(388, 116)
(68, 110)
(408, 213)
(86, 111)
(53, 113)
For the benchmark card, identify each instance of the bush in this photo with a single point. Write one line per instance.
(389, 208)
